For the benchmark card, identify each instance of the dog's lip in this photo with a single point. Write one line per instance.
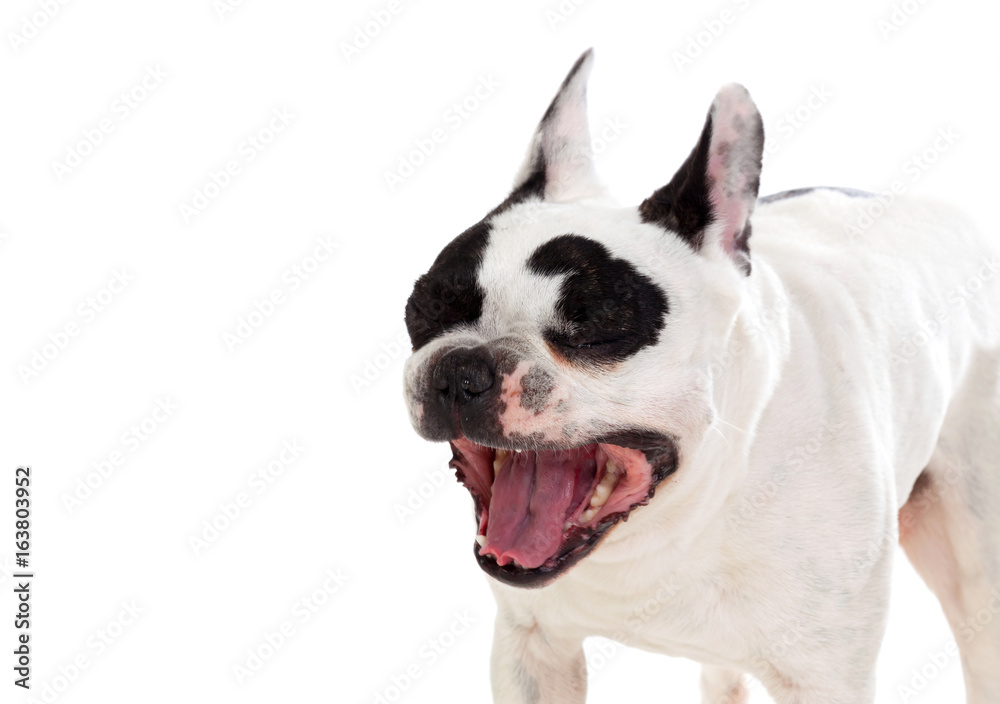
(643, 440)
(540, 576)
(661, 457)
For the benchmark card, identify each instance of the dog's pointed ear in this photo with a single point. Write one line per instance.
(559, 165)
(711, 197)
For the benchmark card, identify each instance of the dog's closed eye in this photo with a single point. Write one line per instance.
(607, 309)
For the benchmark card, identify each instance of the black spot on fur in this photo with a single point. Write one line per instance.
(529, 688)
(449, 294)
(608, 310)
(741, 243)
(795, 192)
(533, 187)
(683, 205)
(536, 387)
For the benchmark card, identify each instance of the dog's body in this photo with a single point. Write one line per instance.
(794, 406)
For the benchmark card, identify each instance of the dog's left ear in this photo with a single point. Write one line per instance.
(709, 201)
(559, 166)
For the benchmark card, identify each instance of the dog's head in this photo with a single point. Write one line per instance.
(562, 344)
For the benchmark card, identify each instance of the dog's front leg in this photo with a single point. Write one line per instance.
(723, 686)
(532, 666)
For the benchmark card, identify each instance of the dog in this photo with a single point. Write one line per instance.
(797, 391)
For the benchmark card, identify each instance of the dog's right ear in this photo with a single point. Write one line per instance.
(559, 166)
(709, 200)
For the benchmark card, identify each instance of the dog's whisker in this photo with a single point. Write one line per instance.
(720, 420)
(721, 434)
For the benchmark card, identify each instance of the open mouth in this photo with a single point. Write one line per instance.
(539, 511)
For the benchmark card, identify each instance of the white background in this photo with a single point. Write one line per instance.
(335, 507)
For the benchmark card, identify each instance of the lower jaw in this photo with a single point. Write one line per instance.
(533, 578)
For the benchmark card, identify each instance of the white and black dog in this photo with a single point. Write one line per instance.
(797, 397)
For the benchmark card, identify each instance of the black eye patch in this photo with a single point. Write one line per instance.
(449, 293)
(608, 309)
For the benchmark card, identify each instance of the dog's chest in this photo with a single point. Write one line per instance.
(678, 613)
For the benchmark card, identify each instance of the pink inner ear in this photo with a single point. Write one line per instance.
(733, 166)
(566, 144)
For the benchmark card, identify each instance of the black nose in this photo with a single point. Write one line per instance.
(463, 374)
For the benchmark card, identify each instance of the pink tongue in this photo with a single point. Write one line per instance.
(532, 494)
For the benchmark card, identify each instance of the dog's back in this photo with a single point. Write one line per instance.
(901, 296)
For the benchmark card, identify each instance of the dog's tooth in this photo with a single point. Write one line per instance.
(604, 489)
(481, 539)
(601, 494)
(566, 526)
(501, 457)
(611, 467)
(610, 480)
(588, 515)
